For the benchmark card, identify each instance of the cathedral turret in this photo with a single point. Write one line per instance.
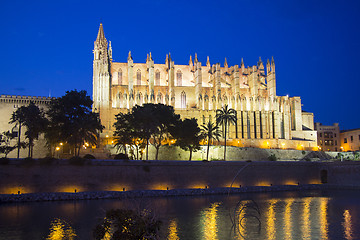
(208, 62)
(268, 66)
(101, 72)
(198, 85)
(171, 80)
(226, 65)
(191, 64)
(150, 65)
(271, 79)
(130, 79)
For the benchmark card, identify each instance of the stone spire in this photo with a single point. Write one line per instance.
(242, 62)
(225, 63)
(195, 59)
(208, 62)
(129, 56)
(268, 66)
(110, 51)
(150, 57)
(101, 36)
(190, 61)
(272, 64)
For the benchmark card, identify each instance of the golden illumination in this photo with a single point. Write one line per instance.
(107, 136)
(306, 219)
(197, 185)
(323, 218)
(61, 144)
(263, 184)
(160, 186)
(57, 148)
(60, 229)
(15, 190)
(173, 230)
(70, 189)
(287, 219)
(271, 219)
(209, 222)
(347, 225)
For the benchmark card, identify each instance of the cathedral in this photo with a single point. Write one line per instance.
(196, 90)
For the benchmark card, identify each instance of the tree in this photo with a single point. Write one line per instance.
(33, 118)
(18, 117)
(164, 118)
(210, 131)
(224, 117)
(154, 122)
(124, 130)
(126, 224)
(5, 139)
(72, 118)
(187, 135)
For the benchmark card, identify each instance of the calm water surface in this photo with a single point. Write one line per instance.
(292, 215)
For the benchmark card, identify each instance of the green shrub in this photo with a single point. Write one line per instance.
(303, 152)
(121, 156)
(4, 161)
(89, 156)
(272, 157)
(78, 161)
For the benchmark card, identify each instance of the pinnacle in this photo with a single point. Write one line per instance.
(101, 36)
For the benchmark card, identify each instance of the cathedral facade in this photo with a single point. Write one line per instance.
(196, 91)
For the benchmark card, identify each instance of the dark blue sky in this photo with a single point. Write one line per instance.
(47, 45)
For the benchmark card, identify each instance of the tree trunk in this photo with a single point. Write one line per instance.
(147, 149)
(190, 153)
(157, 152)
(225, 142)
(208, 147)
(19, 134)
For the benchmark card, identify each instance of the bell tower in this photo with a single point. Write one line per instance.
(101, 74)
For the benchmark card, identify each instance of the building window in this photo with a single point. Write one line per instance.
(351, 139)
(157, 78)
(183, 99)
(345, 140)
(138, 77)
(179, 78)
(320, 134)
(120, 77)
(334, 134)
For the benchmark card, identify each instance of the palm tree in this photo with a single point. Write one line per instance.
(210, 131)
(19, 117)
(224, 116)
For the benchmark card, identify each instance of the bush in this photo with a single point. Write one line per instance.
(121, 156)
(89, 156)
(303, 152)
(272, 157)
(4, 161)
(78, 161)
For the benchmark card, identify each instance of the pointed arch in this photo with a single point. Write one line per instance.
(138, 77)
(183, 99)
(157, 77)
(120, 77)
(159, 98)
(179, 78)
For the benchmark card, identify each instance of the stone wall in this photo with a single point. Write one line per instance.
(112, 175)
(217, 153)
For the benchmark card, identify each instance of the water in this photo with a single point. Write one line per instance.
(291, 215)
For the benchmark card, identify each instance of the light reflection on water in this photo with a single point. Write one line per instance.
(281, 216)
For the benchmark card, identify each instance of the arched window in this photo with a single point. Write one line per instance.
(141, 99)
(179, 78)
(138, 77)
(157, 78)
(183, 99)
(120, 77)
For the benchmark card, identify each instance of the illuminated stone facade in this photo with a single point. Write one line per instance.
(350, 140)
(195, 90)
(9, 104)
(328, 137)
